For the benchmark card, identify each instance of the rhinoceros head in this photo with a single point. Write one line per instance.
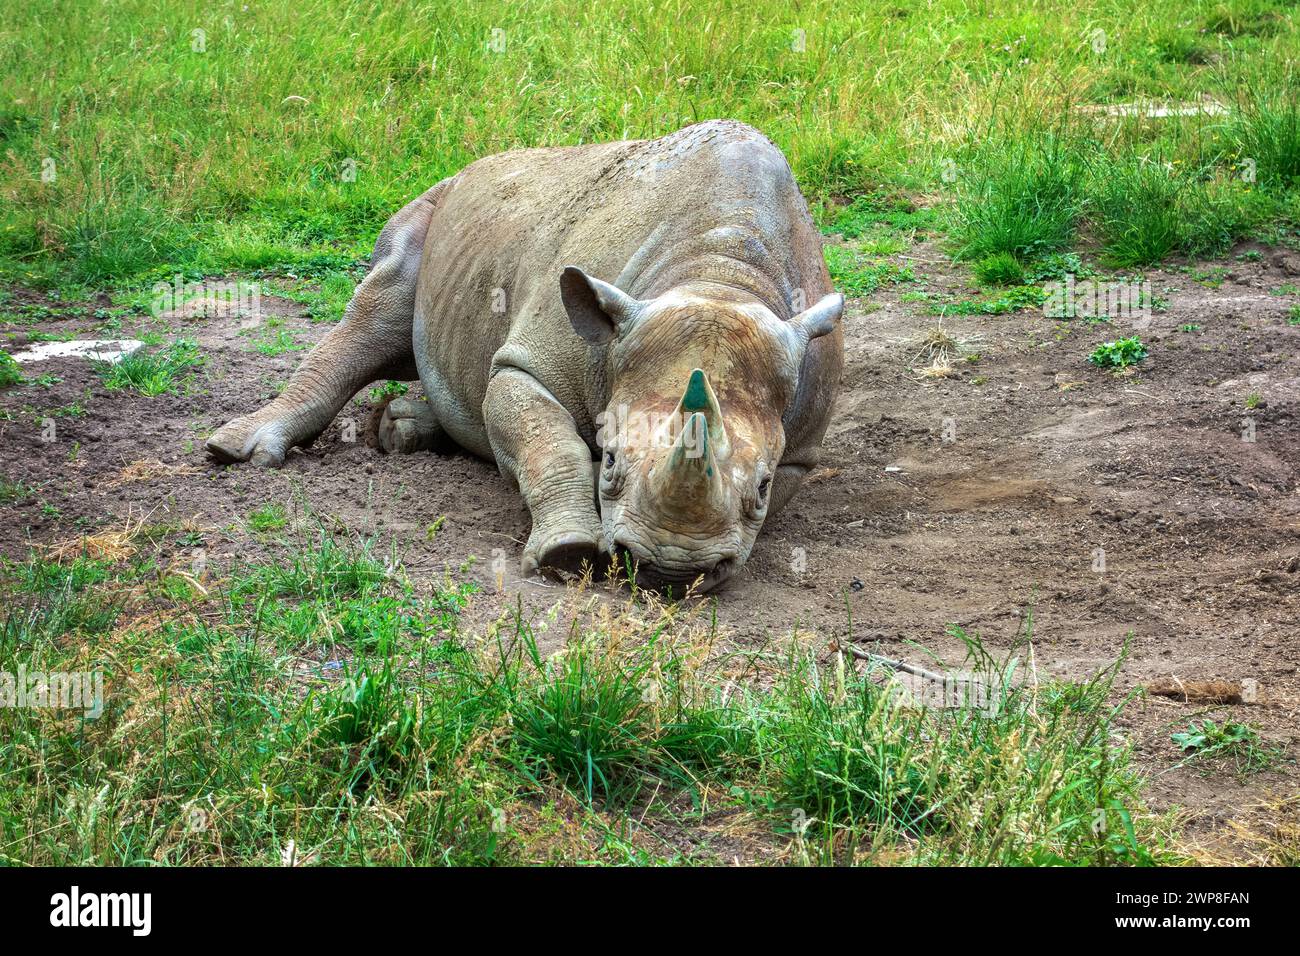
(691, 439)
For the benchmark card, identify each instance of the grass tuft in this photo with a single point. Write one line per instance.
(1022, 198)
(1266, 136)
(1000, 269)
(153, 373)
(10, 371)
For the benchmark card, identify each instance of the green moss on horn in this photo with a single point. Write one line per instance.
(696, 398)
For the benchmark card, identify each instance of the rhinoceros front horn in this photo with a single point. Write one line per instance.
(691, 476)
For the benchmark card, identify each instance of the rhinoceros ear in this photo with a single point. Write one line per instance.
(598, 310)
(820, 319)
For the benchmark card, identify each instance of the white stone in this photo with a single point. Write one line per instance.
(102, 350)
(1206, 106)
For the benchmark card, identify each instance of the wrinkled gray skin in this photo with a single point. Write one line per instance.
(715, 322)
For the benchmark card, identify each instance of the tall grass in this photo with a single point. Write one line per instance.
(1266, 135)
(1143, 198)
(1029, 776)
(129, 144)
(1022, 198)
(1145, 210)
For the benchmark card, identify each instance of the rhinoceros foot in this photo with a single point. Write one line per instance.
(564, 552)
(406, 426)
(247, 439)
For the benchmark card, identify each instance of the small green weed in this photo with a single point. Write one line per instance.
(1119, 354)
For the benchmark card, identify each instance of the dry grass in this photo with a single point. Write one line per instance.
(109, 545)
(150, 469)
(1263, 834)
(1196, 691)
(1273, 837)
(937, 351)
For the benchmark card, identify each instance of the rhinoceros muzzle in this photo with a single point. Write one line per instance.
(652, 570)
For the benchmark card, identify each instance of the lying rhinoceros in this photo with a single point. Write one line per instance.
(642, 335)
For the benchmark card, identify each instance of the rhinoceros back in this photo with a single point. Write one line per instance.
(713, 201)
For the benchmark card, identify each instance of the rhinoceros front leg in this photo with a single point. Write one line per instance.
(536, 443)
(787, 480)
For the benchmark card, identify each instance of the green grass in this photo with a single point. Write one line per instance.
(998, 303)
(278, 342)
(1267, 134)
(271, 517)
(857, 762)
(857, 273)
(10, 372)
(153, 372)
(1001, 268)
(879, 213)
(321, 569)
(1244, 18)
(1023, 197)
(11, 491)
(318, 703)
(1139, 215)
(1146, 210)
(324, 288)
(131, 155)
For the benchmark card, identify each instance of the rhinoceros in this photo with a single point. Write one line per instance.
(641, 334)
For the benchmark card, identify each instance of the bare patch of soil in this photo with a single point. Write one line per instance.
(973, 499)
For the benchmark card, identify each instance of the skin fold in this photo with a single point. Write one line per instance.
(642, 335)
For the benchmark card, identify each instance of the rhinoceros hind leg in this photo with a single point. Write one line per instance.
(248, 438)
(407, 425)
(373, 341)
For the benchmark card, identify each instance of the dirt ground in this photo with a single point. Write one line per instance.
(970, 500)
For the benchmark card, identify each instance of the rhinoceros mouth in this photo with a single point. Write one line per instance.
(661, 576)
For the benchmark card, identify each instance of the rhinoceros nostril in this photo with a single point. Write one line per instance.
(722, 569)
(626, 558)
(623, 557)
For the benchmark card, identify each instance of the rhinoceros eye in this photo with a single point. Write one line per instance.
(609, 459)
(763, 487)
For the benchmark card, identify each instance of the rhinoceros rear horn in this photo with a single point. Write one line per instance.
(599, 311)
